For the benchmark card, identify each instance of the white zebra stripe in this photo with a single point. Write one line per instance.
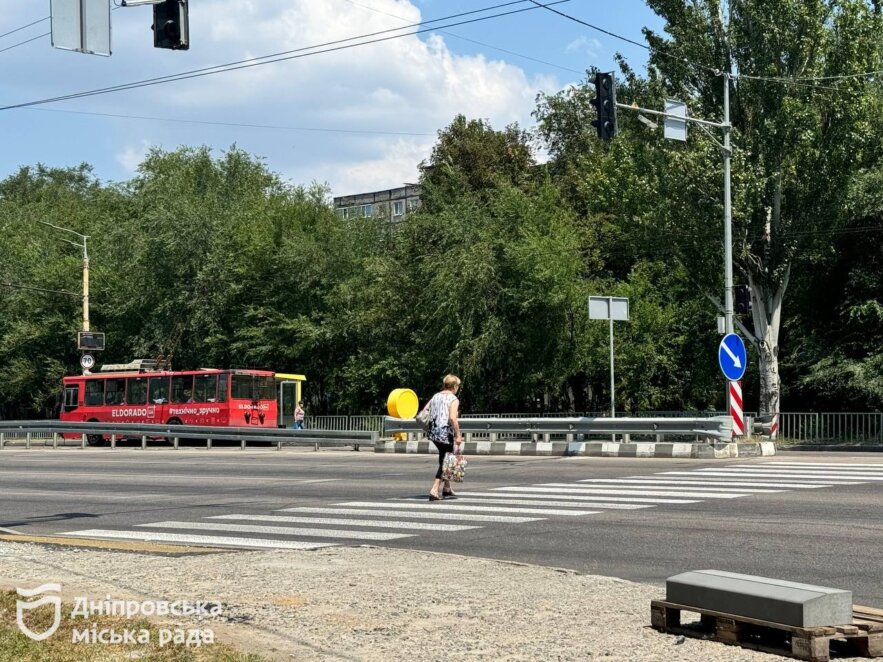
(484, 497)
(796, 473)
(439, 505)
(851, 465)
(810, 480)
(658, 493)
(694, 488)
(334, 521)
(592, 499)
(368, 512)
(181, 539)
(279, 530)
(690, 482)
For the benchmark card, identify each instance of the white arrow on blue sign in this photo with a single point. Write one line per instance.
(731, 357)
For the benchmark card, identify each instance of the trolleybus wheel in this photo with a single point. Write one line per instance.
(172, 421)
(95, 439)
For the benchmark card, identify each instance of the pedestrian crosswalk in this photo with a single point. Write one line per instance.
(401, 519)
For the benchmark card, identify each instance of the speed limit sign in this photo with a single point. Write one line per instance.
(87, 361)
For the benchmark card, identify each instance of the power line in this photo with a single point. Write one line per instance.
(40, 289)
(474, 41)
(26, 41)
(293, 54)
(6, 34)
(235, 124)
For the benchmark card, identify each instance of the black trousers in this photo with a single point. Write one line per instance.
(443, 449)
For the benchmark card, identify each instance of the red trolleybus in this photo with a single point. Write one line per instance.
(133, 393)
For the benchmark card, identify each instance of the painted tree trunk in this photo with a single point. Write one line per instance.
(766, 308)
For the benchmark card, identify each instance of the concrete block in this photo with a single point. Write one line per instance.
(775, 600)
(544, 448)
(577, 448)
(611, 449)
(512, 448)
(483, 447)
(645, 449)
(681, 450)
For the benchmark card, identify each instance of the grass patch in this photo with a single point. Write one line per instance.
(14, 645)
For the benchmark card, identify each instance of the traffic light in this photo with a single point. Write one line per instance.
(605, 102)
(171, 27)
(743, 300)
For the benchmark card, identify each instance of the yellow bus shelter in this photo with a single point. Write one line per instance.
(288, 394)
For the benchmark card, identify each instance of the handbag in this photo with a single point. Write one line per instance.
(424, 420)
(454, 467)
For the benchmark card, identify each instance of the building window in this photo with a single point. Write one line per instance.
(398, 208)
(413, 204)
(367, 210)
(343, 212)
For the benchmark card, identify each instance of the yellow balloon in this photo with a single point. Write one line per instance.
(402, 403)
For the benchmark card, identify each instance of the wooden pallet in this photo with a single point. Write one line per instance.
(862, 638)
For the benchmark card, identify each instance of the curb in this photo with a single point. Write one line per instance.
(828, 448)
(591, 449)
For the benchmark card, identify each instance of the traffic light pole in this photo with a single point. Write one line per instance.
(727, 151)
(728, 212)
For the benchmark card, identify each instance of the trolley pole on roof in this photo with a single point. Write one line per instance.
(85, 269)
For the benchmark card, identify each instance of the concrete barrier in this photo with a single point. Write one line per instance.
(591, 449)
(762, 598)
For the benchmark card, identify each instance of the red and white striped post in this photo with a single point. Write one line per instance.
(736, 409)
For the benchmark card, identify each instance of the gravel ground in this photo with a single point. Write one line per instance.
(364, 603)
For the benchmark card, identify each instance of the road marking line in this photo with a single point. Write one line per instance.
(850, 465)
(658, 493)
(61, 473)
(789, 475)
(483, 497)
(219, 541)
(690, 483)
(438, 505)
(503, 519)
(695, 488)
(279, 530)
(810, 469)
(808, 480)
(379, 524)
(592, 499)
(12, 492)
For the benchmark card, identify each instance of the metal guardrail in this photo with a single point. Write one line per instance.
(717, 427)
(55, 430)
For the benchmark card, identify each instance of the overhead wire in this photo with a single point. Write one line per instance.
(293, 54)
(6, 34)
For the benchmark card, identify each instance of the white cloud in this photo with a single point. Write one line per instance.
(413, 84)
(586, 45)
(132, 156)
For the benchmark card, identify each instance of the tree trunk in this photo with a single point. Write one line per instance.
(766, 308)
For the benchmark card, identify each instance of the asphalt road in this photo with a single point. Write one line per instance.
(818, 522)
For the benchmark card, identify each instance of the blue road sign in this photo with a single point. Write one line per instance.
(731, 357)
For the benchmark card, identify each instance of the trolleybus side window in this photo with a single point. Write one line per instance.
(159, 390)
(222, 388)
(94, 392)
(137, 390)
(182, 389)
(115, 391)
(205, 387)
(265, 388)
(241, 387)
(71, 397)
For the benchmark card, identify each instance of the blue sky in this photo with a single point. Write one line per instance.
(399, 92)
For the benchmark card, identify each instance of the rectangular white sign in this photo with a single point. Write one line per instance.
(81, 25)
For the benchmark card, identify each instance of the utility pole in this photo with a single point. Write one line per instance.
(728, 211)
(85, 269)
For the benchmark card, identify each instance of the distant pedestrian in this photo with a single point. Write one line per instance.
(444, 410)
(299, 415)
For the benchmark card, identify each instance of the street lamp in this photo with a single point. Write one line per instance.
(85, 269)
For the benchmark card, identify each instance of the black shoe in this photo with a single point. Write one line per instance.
(449, 495)
(432, 497)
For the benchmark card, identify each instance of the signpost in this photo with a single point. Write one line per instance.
(732, 359)
(81, 25)
(87, 362)
(610, 308)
